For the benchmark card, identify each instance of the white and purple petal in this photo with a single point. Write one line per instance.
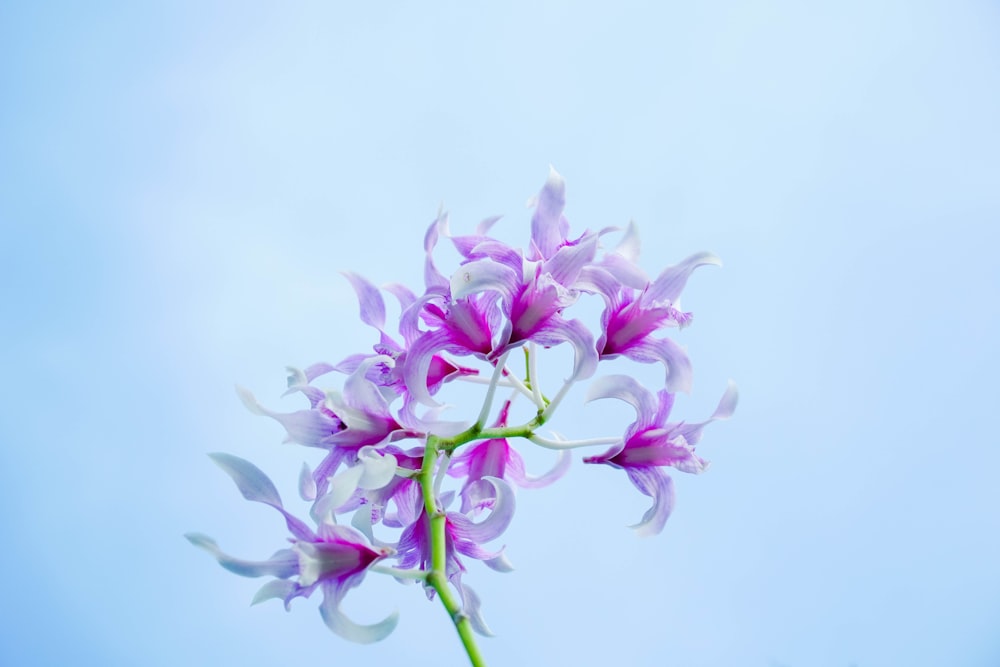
(282, 564)
(657, 484)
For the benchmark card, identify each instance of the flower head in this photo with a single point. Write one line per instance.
(651, 444)
(332, 558)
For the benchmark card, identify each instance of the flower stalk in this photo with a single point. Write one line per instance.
(437, 577)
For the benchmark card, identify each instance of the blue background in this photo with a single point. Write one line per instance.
(180, 184)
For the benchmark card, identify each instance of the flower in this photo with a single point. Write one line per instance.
(332, 558)
(632, 316)
(462, 536)
(497, 458)
(651, 444)
(440, 370)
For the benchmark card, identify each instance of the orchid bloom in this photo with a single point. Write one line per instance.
(631, 317)
(333, 558)
(440, 369)
(497, 458)
(650, 443)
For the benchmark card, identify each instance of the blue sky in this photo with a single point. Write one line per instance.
(180, 185)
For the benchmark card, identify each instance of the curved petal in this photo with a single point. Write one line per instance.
(547, 224)
(418, 363)
(276, 588)
(484, 274)
(370, 300)
(257, 487)
(657, 484)
(282, 564)
(379, 468)
(536, 482)
(725, 409)
(625, 272)
(492, 526)
(499, 563)
(471, 605)
(432, 277)
(307, 485)
(404, 295)
(598, 280)
(363, 394)
(340, 624)
(305, 427)
(629, 246)
(673, 357)
(670, 283)
(342, 487)
(566, 264)
(627, 389)
(557, 330)
(483, 228)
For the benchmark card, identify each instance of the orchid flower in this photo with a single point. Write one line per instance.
(465, 537)
(498, 459)
(372, 306)
(631, 317)
(333, 558)
(650, 443)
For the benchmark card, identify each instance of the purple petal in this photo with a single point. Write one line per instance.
(669, 284)
(558, 330)
(311, 428)
(627, 389)
(547, 224)
(250, 480)
(673, 357)
(370, 300)
(256, 486)
(597, 280)
(530, 482)
(282, 564)
(307, 485)
(657, 484)
(471, 606)
(485, 274)
(569, 260)
(432, 277)
(492, 526)
(725, 409)
(483, 228)
(341, 625)
(403, 294)
(418, 363)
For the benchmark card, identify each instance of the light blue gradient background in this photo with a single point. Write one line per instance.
(181, 183)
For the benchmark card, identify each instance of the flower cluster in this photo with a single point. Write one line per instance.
(387, 451)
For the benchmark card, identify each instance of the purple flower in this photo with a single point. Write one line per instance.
(356, 417)
(496, 458)
(439, 369)
(333, 558)
(650, 443)
(462, 536)
(631, 317)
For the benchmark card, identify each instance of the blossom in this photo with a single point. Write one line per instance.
(332, 558)
(465, 537)
(496, 458)
(631, 316)
(650, 443)
(462, 536)
(439, 369)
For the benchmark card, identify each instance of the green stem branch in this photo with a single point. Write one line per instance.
(438, 577)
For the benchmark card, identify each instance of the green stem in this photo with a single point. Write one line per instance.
(438, 577)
